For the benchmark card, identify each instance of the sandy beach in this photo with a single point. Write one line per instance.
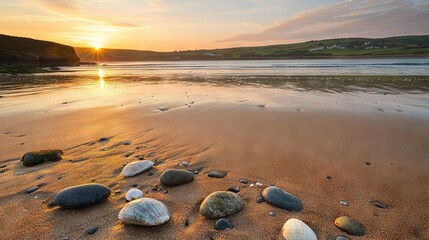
(322, 147)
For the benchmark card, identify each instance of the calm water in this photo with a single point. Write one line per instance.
(403, 66)
(399, 86)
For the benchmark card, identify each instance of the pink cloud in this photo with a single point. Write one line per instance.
(354, 18)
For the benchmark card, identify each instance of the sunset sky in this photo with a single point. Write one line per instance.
(166, 25)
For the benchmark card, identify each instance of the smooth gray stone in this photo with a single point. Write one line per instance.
(81, 196)
(223, 224)
(214, 174)
(174, 177)
(32, 189)
(38, 157)
(282, 199)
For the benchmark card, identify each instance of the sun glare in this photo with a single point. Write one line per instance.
(96, 46)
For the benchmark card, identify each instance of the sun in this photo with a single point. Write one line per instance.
(96, 46)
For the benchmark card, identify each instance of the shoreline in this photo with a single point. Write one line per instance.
(293, 150)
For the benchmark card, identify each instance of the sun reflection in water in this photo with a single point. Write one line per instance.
(100, 76)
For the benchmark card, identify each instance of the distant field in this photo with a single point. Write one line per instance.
(406, 46)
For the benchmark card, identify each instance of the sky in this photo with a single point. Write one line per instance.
(168, 25)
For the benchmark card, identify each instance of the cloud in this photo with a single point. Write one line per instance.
(353, 18)
(87, 11)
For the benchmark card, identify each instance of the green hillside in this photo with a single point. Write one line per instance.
(404, 46)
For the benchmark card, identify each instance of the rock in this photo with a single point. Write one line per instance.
(103, 139)
(184, 164)
(221, 204)
(260, 199)
(272, 214)
(244, 181)
(174, 177)
(295, 229)
(328, 177)
(38, 157)
(144, 212)
(252, 185)
(344, 203)
(214, 174)
(137, 167)
(368, 163)
(81, 196)
(341, 238)
(223, 224)
(378, 204)
(92, 230)
(349, 226)
(234, 189)
(281, 199)
(32, 189)
(258, 184)
(133, 194)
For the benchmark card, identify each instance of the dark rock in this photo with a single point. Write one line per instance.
(92, 230)
(221, 204)
(341, 238)
(281, 199)
(186, 223)
(349, 226)
(127, 143)
(3, 170)
(368, 163)
(234, 189)
(81, 196)
(378, 204)
(214, 174)
(103, 139)
(174, 177)
(38, 157)
(134, 185)
(244, 181)
(223, 224)
(141, 157)
(328, 177)
(151, 174)
(32, 189)
(260, 199)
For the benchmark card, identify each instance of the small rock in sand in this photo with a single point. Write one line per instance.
(378, 204)
(136, 167)
(81, 196)
(221, 204)
(244, 181)
(184, 164)
(92, 230)
(133, 194)
(258, 184)
(341, 238)
(103, 139)
(38, 157)
(223, 224)
(260, 199)
(32, 189)
(214, 174)
(234, 189)
(344, 203)
(350, 226)
(281, 199)
(174, 177)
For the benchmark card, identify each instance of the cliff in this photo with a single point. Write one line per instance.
(31, 52)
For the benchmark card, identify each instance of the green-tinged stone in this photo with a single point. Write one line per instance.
(38, 157)
(350, 226)
(221, 204)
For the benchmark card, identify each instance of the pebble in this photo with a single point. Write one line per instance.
(344, 203)
(258, 184)
(127, 143)
(136, 167)
(221, 204)
(184, 164)
(103, 139)
(350, 226)
(38, 157)
(133, 194)
(81, 196)
(244, 181)
(328, 177)
(281, 199)
(175, 177)
(378, 204)
(341, 238)
(272, 214)
(214, 174)
(234, 189)
(32, 189)
(260, 199)
(252, 185)
(92, 230)
(368, 163)
(223, 224)
(141, 157)
(151, 174)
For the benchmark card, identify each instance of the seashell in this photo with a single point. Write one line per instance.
(133, 194)
(144, 212)
(137, 167)
(350, 226)
(295, 229)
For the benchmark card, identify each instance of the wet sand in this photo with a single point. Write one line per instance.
(292, 139)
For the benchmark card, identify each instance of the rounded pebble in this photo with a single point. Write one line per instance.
(221, 204)
(175, 177)
(281, 199)
(223, 224)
